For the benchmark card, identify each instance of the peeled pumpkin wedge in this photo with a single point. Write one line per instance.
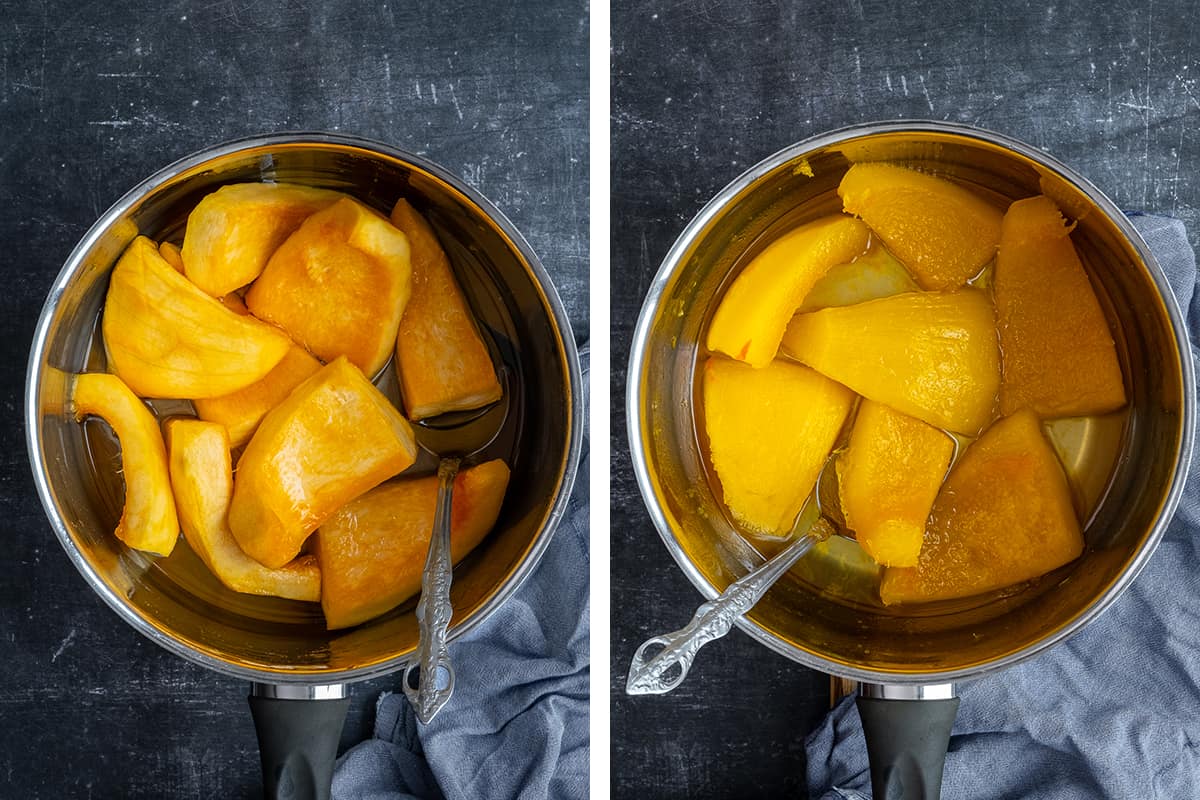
(148, 521)
(333, 438)
(874, 274)
(1003, 516)
(372, 551)
(232, 232)
(769, 433)
(443, 364)
(241, 412)
(202, 483)
(888, 479)
(929, 355)
(750, 320)
(943, 233)
(338, 285)
(166, 338)
(171, 255)
(1059, 356)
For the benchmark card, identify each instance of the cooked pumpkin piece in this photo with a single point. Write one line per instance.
(202, 484)
(442, 362)
(165, 338)
(1059, 356)
(148, 520)
(333, 438)
(888, 479)
(372, 550)
(1003, 516)
(754, 311)
(769, 432)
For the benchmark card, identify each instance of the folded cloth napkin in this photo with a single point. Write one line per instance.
(517, 726)
(1113, 712)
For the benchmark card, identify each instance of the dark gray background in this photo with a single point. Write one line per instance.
(703, 90)
(96, 96)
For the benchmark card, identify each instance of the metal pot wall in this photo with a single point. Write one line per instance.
(283, 646)
(824, 614)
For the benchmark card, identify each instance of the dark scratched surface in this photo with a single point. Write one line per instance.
(94, 97)
(702, 91)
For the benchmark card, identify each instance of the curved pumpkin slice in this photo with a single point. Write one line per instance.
(202, 481)
(333, 438)
(769, 433)
(1059, 356)
(148, 521)
(241, 412)
(943, 232)
(930, 355)
(752, 315)
(888, 478)
(171, 255)
(166, 338)
(1003, 516)
(339, 285)
(443, 364)
(232, 232)
(372, 551)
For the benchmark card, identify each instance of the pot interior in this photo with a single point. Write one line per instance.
(176, 600)
(825, 612)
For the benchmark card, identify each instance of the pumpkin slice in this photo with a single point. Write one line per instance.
(443, 364)
(752, 315)
(202, 483)
(232, 232)
(166, 338)
(333, 438)
(888, 478)
(338, 285)
(929, 355)
(242, 411)
(372, 551)
(148, 520)
(872, 275)
(945, 234)
(769, 433)
(171, 255)
(1003, 516)
(1059, 356)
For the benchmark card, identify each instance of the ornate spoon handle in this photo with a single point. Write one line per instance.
(664, 671)
(434, 610)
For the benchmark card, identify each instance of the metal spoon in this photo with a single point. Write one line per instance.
(665, 670)
(452, 437)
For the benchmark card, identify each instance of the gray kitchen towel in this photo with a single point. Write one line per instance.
(517, 726)
(1113, 713)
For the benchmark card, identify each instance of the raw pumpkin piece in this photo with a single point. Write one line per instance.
(750, 320)
(769, 433)
(232, 232)
(338, 285)
(872, 275)
(943, 233)
(165, 338)
(888, 478)
(242, 411)
(372, 551)
(1003, 516)
(442, 362)
(333, 438)
(202, 484)
(929, 355)
(1059, 357)
(148, 521)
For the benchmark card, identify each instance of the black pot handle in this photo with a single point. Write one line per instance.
(906, 739)
(298, 732)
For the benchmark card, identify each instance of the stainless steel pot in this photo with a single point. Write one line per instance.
(823, 614)
(283, 646)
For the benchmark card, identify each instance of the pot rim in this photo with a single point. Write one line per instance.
(673, 261)
(34, 376)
